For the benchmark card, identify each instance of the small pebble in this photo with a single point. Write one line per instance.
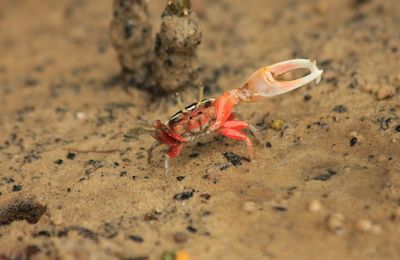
(180, 178)
(136, 238)
(17, 187)
(397, 128)
(59, 161)
(80, 115)
(353, 141)
(71, 156)
(276, 124)
(340, 109)
(249, 206)
(386, 91)
(335, 223)
(180, 237)
(314, 205)
(364, 225)
(183, 195)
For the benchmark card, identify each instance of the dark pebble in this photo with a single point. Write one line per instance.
(233, 158)
(136, 238)
(59, 161)
(180, 237)
(17, 187)
(205, 196)
(180, 178)
(84, 232)
(191, 229)
(71, 156)
(194, 155)
(340, 109)
(123, 173)
(184, 195)
(42, 233)
(307, 97)
(151, 216)
(397, 128)
(327, 176)
(94, 163)
(224, 167)
(385, 123)
(268, 144)
(279, 208)
(30, 82)
(8, 180)
(353, 141)
(21, 208)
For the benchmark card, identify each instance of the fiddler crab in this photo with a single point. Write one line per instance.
(216, 115)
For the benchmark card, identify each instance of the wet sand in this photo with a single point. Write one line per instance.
(73, 185)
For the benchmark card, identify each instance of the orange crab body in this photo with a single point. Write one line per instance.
(185, 127)
(216, 115)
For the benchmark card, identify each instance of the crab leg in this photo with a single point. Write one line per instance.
(150, 151)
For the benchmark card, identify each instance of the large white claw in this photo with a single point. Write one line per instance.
(280, 87)
(264, 82)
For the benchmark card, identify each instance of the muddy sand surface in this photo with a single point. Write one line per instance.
(326, 185)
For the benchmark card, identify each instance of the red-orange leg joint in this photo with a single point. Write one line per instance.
(232, 129)
(223, 109)
(174, 151)
(164, 135)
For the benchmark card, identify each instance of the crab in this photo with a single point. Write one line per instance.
(211, 115)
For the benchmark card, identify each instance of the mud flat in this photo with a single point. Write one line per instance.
(325, 184)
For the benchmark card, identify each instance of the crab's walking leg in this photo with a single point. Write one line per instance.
(150, 151)
(166, 166)
(254, 131)
(232, 129)
(172, 152)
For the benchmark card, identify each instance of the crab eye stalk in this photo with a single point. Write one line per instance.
(201, 91)
(180, 103)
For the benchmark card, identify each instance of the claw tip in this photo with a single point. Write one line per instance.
(318, 79)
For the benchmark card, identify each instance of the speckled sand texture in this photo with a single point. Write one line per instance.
(326, 185)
